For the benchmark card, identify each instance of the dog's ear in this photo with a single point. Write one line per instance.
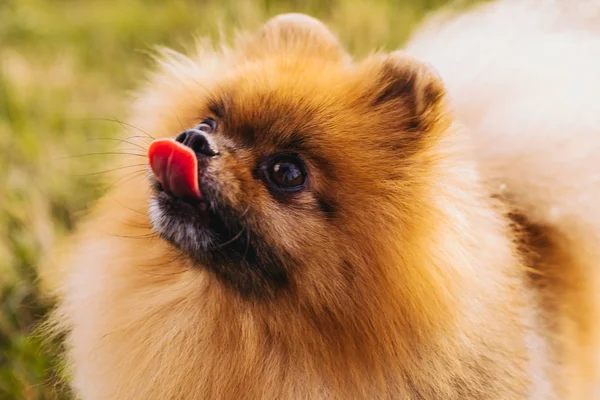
(293, 34)
(405, 93)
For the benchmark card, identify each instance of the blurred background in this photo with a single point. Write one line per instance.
(66, 67)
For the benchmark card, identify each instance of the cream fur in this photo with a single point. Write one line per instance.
(523, 76)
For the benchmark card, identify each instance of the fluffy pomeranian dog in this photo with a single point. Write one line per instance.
(423, 224)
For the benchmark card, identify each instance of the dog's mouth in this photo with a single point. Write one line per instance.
(181, 212)
(175, 167)
(165, 201)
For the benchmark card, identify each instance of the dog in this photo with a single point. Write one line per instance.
(423, 224)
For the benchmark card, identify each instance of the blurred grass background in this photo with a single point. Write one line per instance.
(65, 67)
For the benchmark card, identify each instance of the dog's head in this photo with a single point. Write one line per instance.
(288, 165)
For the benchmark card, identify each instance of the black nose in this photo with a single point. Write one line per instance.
(197, 141)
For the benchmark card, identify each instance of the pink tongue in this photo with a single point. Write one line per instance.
(176, 168)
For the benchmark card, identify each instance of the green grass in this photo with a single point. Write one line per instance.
(65, 65)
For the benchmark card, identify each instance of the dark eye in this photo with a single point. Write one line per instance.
(209, 125)
(287, 173)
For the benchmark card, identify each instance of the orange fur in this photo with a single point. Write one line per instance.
(414, 284)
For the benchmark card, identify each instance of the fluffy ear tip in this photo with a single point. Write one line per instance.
(297, 20)
(294, 18)
(425, 68)
(301, 25)
(429, 80)
(401, 82)
(293, 33)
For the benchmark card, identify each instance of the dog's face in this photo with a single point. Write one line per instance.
(303, 160)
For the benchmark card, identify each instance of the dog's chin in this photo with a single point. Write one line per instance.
(215, 238)
(184, 224)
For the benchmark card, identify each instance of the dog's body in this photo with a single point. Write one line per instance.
(528, 96)
(441, 246)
